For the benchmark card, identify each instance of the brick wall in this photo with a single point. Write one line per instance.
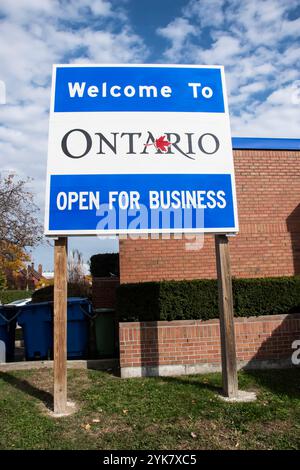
(268, 194)
(193, 346)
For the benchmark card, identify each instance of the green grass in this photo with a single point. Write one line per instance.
(151, 413)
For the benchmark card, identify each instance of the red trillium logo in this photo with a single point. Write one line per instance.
(161, 143)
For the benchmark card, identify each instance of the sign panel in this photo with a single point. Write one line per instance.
(139, 148)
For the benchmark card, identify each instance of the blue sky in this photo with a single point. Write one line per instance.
(256, 41)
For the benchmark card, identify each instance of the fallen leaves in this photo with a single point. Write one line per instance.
(86, 427)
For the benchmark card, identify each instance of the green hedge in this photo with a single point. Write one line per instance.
(46, 294)
(7, 296)
(198, 299)
(104, 265)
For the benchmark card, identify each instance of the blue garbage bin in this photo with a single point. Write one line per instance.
(79, 314)
(36, 321)
(8, 315)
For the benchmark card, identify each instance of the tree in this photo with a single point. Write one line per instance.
(19, 224)
(44, 283)
(2, 280)
(76, 268)
(12, 259)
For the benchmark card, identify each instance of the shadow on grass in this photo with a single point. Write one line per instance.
(194, 382)
(278, 381)
(20, 384)
(112, 367)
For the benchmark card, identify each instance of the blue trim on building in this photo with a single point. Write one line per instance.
(258, 143)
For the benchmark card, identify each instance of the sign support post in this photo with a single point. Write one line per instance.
(60, 325)
(228, 352)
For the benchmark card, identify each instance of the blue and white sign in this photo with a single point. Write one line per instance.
(139, 148)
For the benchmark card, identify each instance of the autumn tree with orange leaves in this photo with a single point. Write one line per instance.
(19, 225)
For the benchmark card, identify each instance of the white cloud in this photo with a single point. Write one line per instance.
(257, 43)
(34, 34)
(32, 38)
(23, 11)
(277, 116)
(252, 88)
(208, 12)
(225, 49)
(177, 32)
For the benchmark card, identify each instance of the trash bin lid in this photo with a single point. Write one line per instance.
(75, 300)
(104, 310)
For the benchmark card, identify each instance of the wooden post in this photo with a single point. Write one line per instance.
(229, 367)
(60, 325)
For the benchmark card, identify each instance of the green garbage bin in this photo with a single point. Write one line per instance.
(105, 332)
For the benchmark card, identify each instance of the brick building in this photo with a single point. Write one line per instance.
(27, 278)
(268, 244)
